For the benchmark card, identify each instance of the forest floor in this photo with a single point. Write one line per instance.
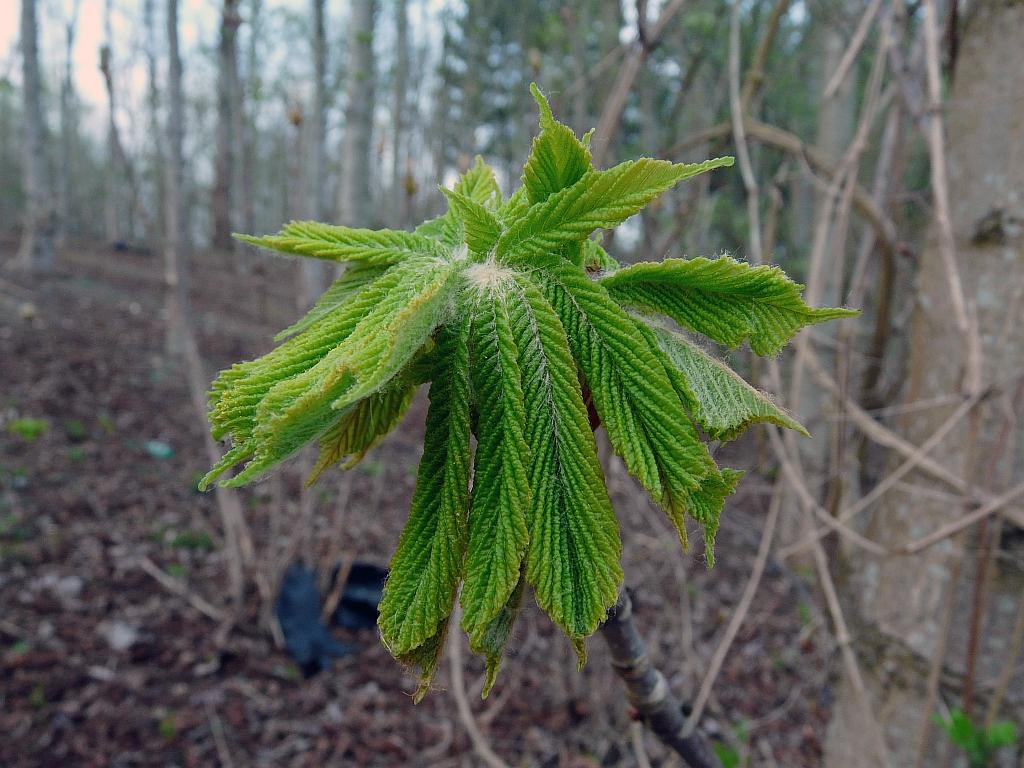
(102, 665)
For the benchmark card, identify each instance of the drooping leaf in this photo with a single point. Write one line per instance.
(491, 641)
(557, 159)
(427, 656)
(428, 563)
(480, 226)
(362, 427)
(573, 557)
(706, 505)
(326, 241)
(719, 400)
(303, 407)
(727, 300)
(599, 200)
(237, 392)
(631, 391)
(501, 492)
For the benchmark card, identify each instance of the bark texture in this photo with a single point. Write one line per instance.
(901, 600)
(399, 171)
(313, 272)
(36, 250)
(176, 235)
(228, 127)
(355, 204)
(648, 690)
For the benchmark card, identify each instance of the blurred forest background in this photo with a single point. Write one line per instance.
(868, 604)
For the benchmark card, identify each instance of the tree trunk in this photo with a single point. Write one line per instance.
(114, 187)
(176, 236)
(249, 133)
(902, 600)
(312, 272)
(65, 194)
(354, 201)
(399, 192)
(36, 250)
(155, 159)
(836, 117)
(227, 128)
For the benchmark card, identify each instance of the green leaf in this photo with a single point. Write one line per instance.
(599, 200)
(515, 207)
(727, 300)
(326, 241)
(557, 159)
(428, 564)
(574, 550)
(719, 400)
(1001, 734)
(491, 641)
(480, 226)
(237, 392)
(301, 408)
(596, 259)
(479, 185)
(501, 493)
(705, 505)
(631, 392)
(354, 279)
(362, 427)
(427, 656)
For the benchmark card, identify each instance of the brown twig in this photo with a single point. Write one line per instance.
(754, 78)
(647, 40)
(481, 745)
(994, 505)
(850, 55)
(217, 729)
(738, 616)
(648, 690)
(940, 187)
(740, 138)
(171, 584)
(815, 158)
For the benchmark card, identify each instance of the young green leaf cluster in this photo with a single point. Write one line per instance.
(527, 332)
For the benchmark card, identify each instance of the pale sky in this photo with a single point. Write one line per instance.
(198, 20)
(199, 26)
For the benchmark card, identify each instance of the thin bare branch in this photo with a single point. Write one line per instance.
(742, 608)
(850, 55)
(647, 40)
(740, 138)
(944, 532)
(171, 584)
(937, 156)
(481, 745)
(815, 158)
(849, 657)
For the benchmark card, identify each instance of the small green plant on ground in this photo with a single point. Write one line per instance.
(529, 335)
(979, 743)
(28, 428)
